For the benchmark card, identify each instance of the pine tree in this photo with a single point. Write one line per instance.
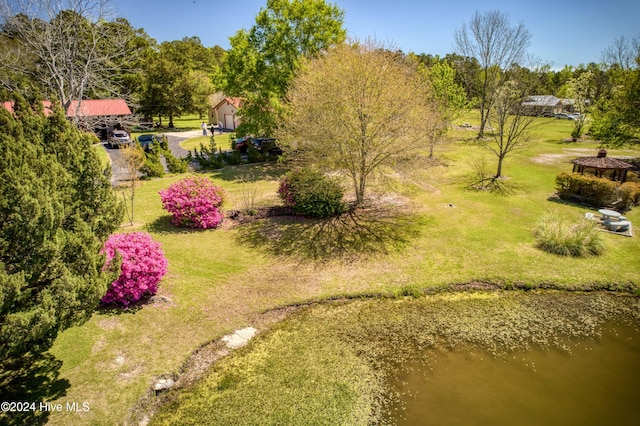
(56, 210)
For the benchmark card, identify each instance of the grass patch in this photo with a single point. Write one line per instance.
(105, 160)
(222, 142)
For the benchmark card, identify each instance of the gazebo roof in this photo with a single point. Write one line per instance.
(602, 163)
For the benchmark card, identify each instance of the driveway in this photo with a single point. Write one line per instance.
(118, 173)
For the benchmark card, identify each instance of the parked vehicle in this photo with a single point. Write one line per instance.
(147, 141)
(262, 145)
(118, 138)
(564, 116)
(266, 145)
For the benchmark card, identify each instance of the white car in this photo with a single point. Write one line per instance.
(118, 137)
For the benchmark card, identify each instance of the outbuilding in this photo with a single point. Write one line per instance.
(225, 112)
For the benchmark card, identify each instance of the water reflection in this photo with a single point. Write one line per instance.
(596, 383)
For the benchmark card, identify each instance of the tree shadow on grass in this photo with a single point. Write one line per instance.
(353, 235)
(163, 225)
(30, 379)
(253, 172)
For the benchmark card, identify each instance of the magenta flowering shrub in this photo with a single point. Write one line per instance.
(286, 191)
(143, 266)
(194, 202)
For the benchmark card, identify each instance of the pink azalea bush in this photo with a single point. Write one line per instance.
(194, 202)
(143, 266)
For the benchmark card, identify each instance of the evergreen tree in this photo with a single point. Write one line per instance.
(56, 210)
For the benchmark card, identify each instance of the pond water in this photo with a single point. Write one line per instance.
(596, 382)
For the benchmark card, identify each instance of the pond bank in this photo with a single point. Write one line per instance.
(375, 334)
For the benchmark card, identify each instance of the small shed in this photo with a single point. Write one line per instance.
(225, 112)
(603, 166)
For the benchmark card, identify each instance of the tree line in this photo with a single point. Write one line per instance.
(72, 50)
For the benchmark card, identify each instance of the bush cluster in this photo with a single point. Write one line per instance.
(194, 202)
(311, 193)
(557, 236)
(629, 195)
(153, 166)
(590, 189)
(142, 266)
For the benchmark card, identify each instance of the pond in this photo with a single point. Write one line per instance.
(470, 358)
(591, 382)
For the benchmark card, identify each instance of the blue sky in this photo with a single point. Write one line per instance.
(564, 32)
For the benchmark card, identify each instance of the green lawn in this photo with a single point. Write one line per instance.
(105, 160)
(441, 234)
(222, 141)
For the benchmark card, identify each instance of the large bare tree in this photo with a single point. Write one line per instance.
(496, 45)
(360, 110)
(68, 48)
(510, 123)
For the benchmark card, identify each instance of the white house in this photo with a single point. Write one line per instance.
(225, 112)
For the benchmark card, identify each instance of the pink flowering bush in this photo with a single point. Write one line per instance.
(143, 266)
(194, 202)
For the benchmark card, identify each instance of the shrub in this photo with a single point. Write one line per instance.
(253, 155)
(233, 158)
(311, 193)
(142, 266)
(629, 195)
(560, 237)
(175, 165)
(194, 202)
(590, 189)
(152, 165)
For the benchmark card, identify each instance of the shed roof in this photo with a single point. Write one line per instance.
(233, 101)
(602, 163)
(98, 107)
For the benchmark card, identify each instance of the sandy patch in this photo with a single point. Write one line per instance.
(567, 155)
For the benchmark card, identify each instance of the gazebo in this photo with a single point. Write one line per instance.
(601, 165)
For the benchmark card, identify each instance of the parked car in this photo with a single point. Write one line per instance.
(262, 145)
(118, 138)
(241, 144)
(564, 116)
(147, 141)
(266, 145)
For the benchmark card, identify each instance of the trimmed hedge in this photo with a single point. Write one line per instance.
(598, 191)
(629, 194)
(590, 189)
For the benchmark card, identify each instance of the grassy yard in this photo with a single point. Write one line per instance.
(102, 155)
(222, 141)
(429, 233)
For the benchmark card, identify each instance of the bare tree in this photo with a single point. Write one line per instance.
(623, 52)
(496, 45)
(66, 46)
(130, 160)
(509, 123)
(360, 110)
